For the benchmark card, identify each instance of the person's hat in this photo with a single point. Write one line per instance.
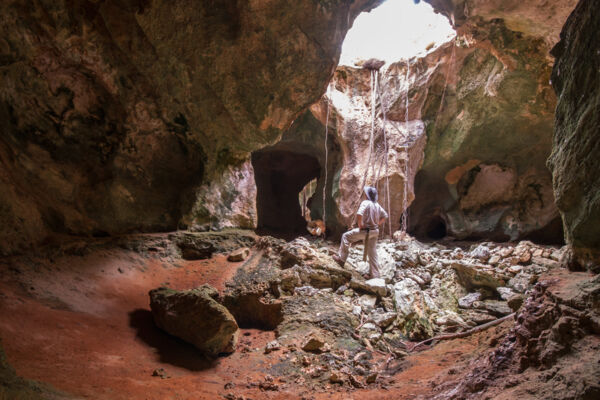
(371, 193)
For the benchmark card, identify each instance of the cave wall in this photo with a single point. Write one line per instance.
(487, 108)
(538, 18)
(489, 115)
(280, 176)
(226, 201)
(351, 113)
(114, 113)
(477, 132)
(574, 161)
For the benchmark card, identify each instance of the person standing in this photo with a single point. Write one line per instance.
(370, 216)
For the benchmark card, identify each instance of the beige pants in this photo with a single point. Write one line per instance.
(355, 235)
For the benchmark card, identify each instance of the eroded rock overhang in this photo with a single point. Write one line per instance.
(114, 112)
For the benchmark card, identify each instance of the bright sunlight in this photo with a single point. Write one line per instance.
(396, 30)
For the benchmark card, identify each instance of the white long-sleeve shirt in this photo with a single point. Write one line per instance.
(371, 214)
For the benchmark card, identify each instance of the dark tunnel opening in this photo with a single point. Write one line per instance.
(280, 176)
(436, 228)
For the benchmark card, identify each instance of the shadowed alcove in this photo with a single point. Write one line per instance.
(280, 175)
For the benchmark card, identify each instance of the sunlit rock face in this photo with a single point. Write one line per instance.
(227, 201)
(351, 99)
(489, 114)
(475, 138)
(538, 18)
(114, 112)
(482, 110)
(574, 160)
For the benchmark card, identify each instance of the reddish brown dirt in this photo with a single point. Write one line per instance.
(83, 325)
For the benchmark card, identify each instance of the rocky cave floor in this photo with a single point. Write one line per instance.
(76, 321)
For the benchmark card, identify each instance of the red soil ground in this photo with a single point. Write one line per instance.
(83, 325)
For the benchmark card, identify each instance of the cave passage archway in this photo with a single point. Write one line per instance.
(280, 176)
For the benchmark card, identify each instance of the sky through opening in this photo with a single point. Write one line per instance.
(396, 30)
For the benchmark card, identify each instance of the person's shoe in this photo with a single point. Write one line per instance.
(338, 260)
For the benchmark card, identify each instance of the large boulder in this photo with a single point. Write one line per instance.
(196, 317)
(574, 161)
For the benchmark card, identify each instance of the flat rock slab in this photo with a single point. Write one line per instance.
(374, 286)
(196, 317)
(475, 276)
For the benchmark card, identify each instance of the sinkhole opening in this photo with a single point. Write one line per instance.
(280, 178)
(396, 30)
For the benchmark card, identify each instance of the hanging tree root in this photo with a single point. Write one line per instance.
(479, 328)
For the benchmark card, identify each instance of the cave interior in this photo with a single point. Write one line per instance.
(152, 242)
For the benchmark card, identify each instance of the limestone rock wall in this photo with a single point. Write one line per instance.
(539, 18)
(489, 113)
(351, 99)
(475, 137)
(113, 113)
(574, 160)
(228, 201)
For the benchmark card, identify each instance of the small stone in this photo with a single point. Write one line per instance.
(229, 385)
(522, 281)
(371, 378)
(239, 255)
(341, 289)
(367, 301)
(546, 253)
(515, 301)
(557, 254)
(388, 304)
(545, 262)
(505, 293)
(497, 308)
(478, 317)
(481, 252)
(505, 252)
(369, 326)
(384, 319)
(336, 377)
(516, 269)
(272, 346)
(160, 372)
(314, 344)
(494, 260)
(525, 258)
(377, 286)
(305, 291)
(374, 286)
(268, 384)
(468, 300)
(355, 382)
